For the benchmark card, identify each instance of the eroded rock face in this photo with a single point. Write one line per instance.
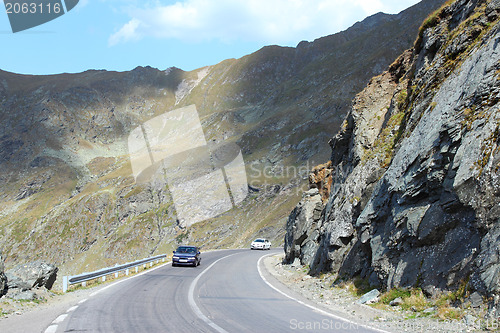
(303, 228)
(419, 197)
(441, 198)
(345, 180)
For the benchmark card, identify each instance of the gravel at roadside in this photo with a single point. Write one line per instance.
(21, 317)
(340, 301)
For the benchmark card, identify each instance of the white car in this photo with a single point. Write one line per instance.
(260, 244)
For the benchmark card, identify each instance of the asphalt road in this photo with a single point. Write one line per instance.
(225, 293)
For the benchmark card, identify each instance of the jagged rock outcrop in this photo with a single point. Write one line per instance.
(32, 275)
(417, 201)
(303, 228)
(348, 186)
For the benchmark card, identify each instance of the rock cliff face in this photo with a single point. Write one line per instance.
(3, 278)
(415, 193)
(68, 195)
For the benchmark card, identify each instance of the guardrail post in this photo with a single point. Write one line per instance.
(136, 269)
(104, 278)
(126, 271)
(84, 283)
(65, 284)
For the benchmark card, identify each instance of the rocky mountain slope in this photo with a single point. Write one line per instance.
(410, 197)
(68, 195)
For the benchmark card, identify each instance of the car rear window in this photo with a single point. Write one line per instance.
(186, 249)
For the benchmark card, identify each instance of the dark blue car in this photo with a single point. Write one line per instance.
(186, 255)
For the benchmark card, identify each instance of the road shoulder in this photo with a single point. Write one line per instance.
(318, 292)
(25, 317)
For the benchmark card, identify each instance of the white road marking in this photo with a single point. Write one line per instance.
(308, 305)
(193, 304)
(51, 329)
(60, 319)
(73, 308)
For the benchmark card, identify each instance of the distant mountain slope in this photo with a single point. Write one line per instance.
(410, 197)
(69, 195)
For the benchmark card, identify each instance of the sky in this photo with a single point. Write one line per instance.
(120, 35)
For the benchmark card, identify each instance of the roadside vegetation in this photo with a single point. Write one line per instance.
(447, 306)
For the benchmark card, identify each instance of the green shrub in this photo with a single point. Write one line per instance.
(416, 301)
(392, 294)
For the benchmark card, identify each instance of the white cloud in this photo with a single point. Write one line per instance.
(283, 22)
(126, 33)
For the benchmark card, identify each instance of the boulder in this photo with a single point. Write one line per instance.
(476, 300)
(32, 275)
(396, 301)
(15, 282)
(369, 297)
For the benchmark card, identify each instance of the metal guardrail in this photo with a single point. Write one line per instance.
(82, 278)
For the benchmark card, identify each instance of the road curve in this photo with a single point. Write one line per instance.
(224, 294)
